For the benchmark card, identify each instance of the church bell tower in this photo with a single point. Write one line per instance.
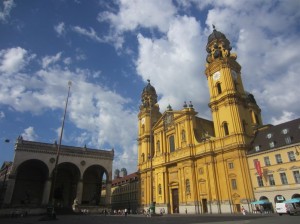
(148, 115)
(234, 111)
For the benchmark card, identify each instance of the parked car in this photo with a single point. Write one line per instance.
(290, 207)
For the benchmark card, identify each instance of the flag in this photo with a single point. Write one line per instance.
(258, 167)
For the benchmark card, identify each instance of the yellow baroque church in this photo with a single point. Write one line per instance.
(188, 164)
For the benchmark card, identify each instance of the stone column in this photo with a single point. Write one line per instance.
(108, 194)
(79, 191)
(46, 193)
(9, 190)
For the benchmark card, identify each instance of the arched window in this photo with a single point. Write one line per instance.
(256, 118)
(143, 157)
(183, 135)
(187, 186)
(159, 189)
(158, 146)
(244, 126)
(219, 88)
(225, 127)
(235, 85)
(172, 143)
(143, 129)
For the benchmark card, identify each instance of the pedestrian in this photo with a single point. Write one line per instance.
(243, 210)
(125, 211)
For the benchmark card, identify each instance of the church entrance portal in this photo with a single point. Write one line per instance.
(175, 200)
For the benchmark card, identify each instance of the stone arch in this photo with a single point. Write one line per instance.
(264, 198)
(295, 196)
(92, 184)
(31, 176)
(65, 185)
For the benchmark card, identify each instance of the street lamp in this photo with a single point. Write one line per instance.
(58, 153)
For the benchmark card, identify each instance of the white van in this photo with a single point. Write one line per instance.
(287, 208)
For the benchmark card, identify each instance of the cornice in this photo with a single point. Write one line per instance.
(51, 149)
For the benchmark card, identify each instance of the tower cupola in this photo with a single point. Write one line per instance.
(218, 46)
(148, 95)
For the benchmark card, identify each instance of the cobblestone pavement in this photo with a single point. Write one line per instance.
(167, 219)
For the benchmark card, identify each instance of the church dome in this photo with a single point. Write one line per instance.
(149, 89)
(218, 46)
(149, 93)
(250, 97)
(215, 35)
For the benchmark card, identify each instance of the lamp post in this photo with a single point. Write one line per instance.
(58, 152)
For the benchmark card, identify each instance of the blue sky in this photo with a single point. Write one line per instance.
(108, 49)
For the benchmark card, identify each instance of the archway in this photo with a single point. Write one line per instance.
(31, 176)
(65, 185)
(295, 196)
(92, 184)
(264, 198)
(266, 206)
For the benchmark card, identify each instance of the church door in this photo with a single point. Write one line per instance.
(175, 200)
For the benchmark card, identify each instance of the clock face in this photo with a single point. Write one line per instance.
(234, 74)
(216, 75)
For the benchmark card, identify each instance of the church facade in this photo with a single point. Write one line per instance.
(188, 164)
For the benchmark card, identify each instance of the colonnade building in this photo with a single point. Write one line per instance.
(190, 164)
(81, 171)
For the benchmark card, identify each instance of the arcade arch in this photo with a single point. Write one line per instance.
(31, 176)
(93, 179)
(65, 187)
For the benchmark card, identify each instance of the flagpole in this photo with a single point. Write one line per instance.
(53, 215)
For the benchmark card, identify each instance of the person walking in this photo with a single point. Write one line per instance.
(243, 210)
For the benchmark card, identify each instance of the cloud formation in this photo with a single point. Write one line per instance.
(14, 59)
(166, 40)
(5, 12)
(60, 29)
(29, 134)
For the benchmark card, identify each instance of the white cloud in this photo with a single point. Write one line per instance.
(266, 49)
(47, 60)
(29, 134)
(174, 65)
(60, 28)
(89, 33)
(14, 59)
(134, 14)
(93, 109)
(2, 115)
(285, 116)
(68, 61)
(148, 14)
(7, 7)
